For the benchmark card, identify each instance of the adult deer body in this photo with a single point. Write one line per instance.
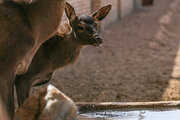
(61, 49)
(23, 28)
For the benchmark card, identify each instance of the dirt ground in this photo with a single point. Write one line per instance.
(139, 60)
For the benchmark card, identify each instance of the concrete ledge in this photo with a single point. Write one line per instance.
(82, 106)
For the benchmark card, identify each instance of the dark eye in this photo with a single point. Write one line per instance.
(80, 28)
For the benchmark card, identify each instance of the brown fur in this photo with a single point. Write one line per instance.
(3, 113)
(60, 50)
(47, 104)
(23, 28)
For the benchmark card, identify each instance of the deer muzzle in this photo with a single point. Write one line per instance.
(98, 40)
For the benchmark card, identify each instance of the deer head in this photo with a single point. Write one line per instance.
(85, 27)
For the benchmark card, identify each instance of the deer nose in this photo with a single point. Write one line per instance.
(98, 39)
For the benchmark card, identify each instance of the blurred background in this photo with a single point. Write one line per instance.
(140, 57)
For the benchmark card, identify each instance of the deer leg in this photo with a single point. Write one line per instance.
(23, 87)
(24, 82)
(7, 94)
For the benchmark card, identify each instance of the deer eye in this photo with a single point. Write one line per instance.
(80, 28)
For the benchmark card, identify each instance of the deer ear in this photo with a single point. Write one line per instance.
(101, 13)
(70, 12)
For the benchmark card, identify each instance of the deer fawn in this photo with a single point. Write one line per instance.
(61, 49)
(23, 28)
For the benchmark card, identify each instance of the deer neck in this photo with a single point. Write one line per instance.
(73, 40)
(44, 17)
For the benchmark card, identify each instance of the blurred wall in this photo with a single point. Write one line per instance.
(95, 4)
(81, 6)
(126, 7)
(120, 8)
(137, 4)
(113, 15)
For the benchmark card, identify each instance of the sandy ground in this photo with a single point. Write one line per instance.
(139, 61)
